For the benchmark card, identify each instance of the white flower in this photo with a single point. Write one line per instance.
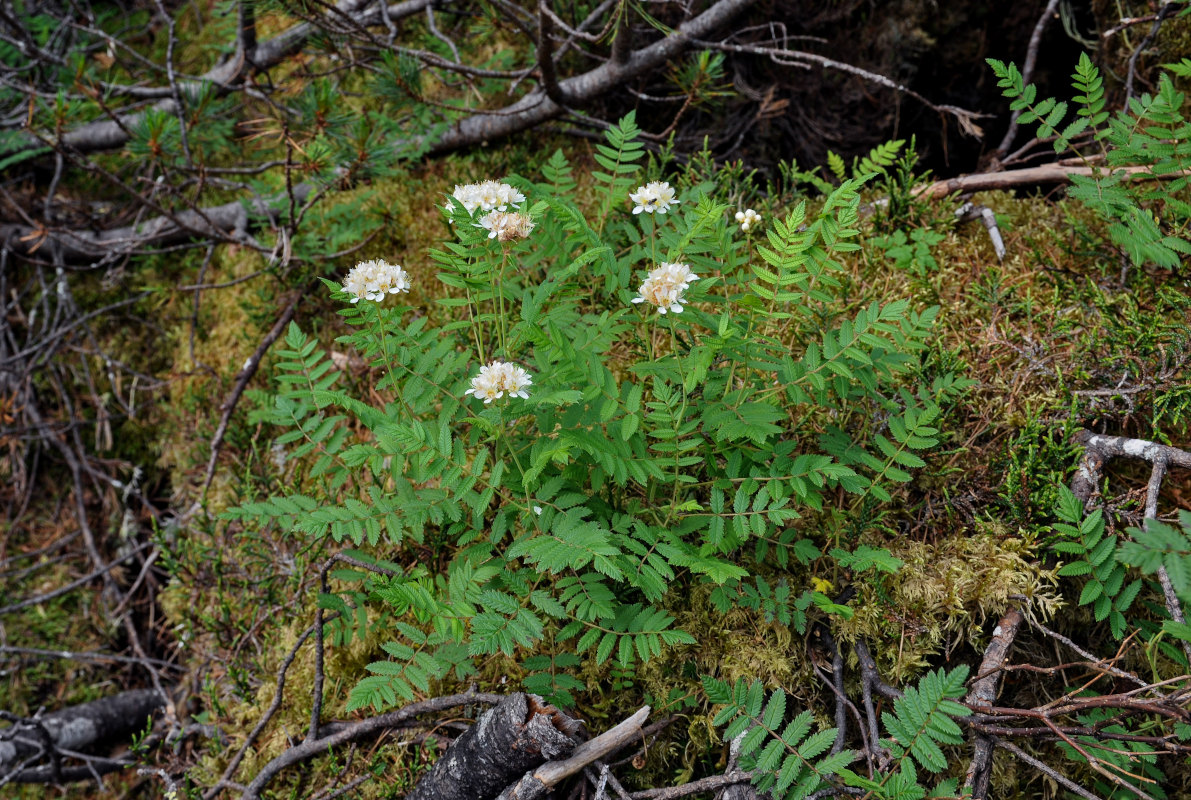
(500, 377)
(747, 219)
(372, 280)
(515, 381)
(486, 196)
(537, 510)
(664, 287)
(655, 196)
(506, 226)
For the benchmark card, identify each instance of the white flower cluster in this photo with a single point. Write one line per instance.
(498, 378)
(506, 226)
(486, 196)
(655, 196)
(747, 219)
(664, 287)
(372, 280)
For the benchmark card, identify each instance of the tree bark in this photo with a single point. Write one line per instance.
(79, 727)
(516, 736)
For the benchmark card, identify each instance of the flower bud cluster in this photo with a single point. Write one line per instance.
(506, 226)
(747, 219)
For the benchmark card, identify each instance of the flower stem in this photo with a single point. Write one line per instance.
(503, 320)
(379, 330)
(677, 421)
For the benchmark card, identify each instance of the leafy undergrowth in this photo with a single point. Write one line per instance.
(1041, 342)
(1041, 336)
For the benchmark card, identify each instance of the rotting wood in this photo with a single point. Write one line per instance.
(518, 735)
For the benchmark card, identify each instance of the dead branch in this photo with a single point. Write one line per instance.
(1165, 11)
(401, 718)
(802, 59)
(537, 107)
(242, 378)
(228, 222)
(1086, 481)
(1031, 176)
(982, 695)
(704, 785)
(1027, 73)
(113, 133)
(1057, 777)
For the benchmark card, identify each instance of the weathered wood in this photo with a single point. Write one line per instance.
(79, 727)
(516, 736)
(538, 783)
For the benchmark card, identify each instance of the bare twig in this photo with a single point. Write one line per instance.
(400, 718)
(242, 378)
(1027, 72)
(1164, 12)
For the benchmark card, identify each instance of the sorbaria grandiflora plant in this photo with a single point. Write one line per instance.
(619, 406)
(1152, 133)
(789, 761)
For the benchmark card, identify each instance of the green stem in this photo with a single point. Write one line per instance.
(379, 330)
(677, 421)
(477, 328)
(503, 320)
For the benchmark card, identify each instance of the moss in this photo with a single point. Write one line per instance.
(945, 591)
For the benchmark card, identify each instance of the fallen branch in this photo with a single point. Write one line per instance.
(694, 787)
(111, 134)
(1027, 73)
(400, 718)
(537, 107)
(1031, 176)
(227, 222)
(1086, 481)
(78, 727)
(242, 378)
